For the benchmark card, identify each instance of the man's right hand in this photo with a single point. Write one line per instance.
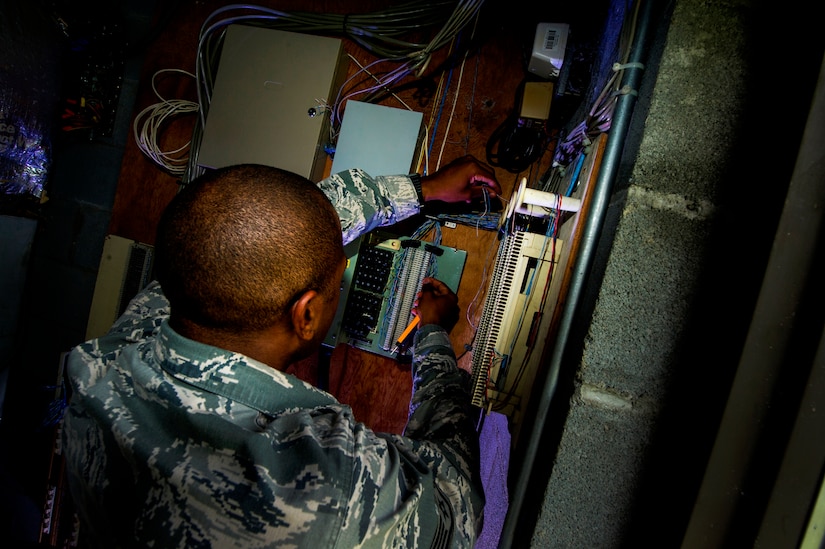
(462, 180)
(436, 303)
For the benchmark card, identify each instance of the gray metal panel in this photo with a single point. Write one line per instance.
(266, 83)
(378, 139)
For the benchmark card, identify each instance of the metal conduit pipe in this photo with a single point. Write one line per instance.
(589, 240)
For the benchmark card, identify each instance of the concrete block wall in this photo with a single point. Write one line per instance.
(688, 232)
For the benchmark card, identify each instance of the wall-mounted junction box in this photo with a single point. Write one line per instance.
(264, 107)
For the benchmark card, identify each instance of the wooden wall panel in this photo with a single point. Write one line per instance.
(481, 94)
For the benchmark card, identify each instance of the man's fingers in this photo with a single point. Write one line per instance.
(435, 286)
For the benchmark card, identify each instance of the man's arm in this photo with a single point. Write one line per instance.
(365, 202)
(441, 407)
(441, 410)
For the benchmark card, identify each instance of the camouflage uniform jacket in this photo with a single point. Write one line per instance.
(174, 443)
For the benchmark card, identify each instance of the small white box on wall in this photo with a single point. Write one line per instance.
(549, 47)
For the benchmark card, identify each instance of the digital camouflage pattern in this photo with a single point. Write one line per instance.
(173, 443)
(365, 203)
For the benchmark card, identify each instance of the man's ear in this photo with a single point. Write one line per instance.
(306, 314)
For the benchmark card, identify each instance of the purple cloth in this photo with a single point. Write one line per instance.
(495, 459)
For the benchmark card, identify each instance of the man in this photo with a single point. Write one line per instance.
(183, 429)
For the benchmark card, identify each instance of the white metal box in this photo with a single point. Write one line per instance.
(549, 46)
(266, 83)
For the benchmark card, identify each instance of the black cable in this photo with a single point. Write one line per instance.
(514, 145)
(517, 142)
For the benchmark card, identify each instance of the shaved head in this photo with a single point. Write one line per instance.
(238, 245)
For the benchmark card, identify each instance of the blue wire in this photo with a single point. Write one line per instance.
(441, 105)
(440, 109)
(575, 178)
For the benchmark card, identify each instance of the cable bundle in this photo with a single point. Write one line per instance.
(514, 146)
(151, 120)
(378, 32)
(600, 116)
(381, 33)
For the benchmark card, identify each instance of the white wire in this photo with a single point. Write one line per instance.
(452, 112)
(417, 58)
(395, 75)
(364, 29)
(150, 121)
(455, 99)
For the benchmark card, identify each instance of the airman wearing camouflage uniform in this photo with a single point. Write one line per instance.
(170, 442)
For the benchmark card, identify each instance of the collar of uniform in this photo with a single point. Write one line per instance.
(234, 376)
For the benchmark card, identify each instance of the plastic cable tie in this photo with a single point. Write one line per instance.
(627, 90)
(635, 65)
